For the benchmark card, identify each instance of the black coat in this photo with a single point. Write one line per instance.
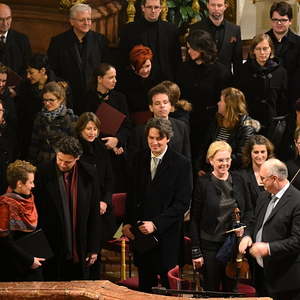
(230, 52)
(205, 205)
(265, 90)
(51, 219)
(282, 232)
(237, 140)
(162, 200)
(97, 155)
(167, 53)
(65, 60)
(201, 85)
(16, 52)
(293, 166)
(179, 142)
(289, 57)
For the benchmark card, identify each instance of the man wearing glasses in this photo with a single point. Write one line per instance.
(287, 46)
(162, 37)
(74, 54)
(15, 49)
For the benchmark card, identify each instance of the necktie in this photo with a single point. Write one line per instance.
(259, 233)
(2, 43)
(155, 162)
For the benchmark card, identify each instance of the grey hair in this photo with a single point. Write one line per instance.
(277, 168)
(79, 8)
(164, 127)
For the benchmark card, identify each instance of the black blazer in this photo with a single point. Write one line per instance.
(169, 52)
(162, 200)
(231, 50)
(179, 142)
(65, 60)
(48, 201)
(282, 232)
(17, 52)
(205, 205)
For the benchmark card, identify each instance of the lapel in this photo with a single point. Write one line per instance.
(162, 41)
(261, 211)
(227, 36)
(74, 50)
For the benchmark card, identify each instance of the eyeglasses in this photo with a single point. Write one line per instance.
(282, 21)
(263, 49)
(87, 20)
(225, 160)
(153, 7)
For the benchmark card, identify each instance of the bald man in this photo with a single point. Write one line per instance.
(15, 49)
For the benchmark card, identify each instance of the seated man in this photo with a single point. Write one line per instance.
(159, 195)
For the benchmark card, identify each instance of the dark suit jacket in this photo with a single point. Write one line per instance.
(65, 60)
(17, 52)
(231, 50)
(290, 60)
(179, 142)
(169, 52)
(282, 232)
(162, 200)
(48, 200)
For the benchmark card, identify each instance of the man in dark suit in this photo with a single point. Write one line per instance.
(274, 235)
(74, 54)
(67, 201)
(226, 35)
(160, 105)
(159, 195)
(287, 47)
(15, 49)
(162, 37)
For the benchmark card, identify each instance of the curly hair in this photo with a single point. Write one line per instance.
(256, 140)
(18, 170)
(138, 55)
(69, 145)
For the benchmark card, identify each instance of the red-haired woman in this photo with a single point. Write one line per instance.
(138, 79)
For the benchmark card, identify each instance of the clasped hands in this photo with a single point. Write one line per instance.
(258, 249)
(147, 227)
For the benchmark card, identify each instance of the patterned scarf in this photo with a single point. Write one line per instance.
(17, 213)
(51, 115)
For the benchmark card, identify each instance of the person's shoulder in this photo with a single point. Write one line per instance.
(96, 35)
(88, 169)
(17, 35)
(62, 36)
(177, 158)
(167, 25)
(293, 37)
(202, 24)
(231, 25)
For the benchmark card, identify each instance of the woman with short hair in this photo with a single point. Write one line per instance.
(18, 218)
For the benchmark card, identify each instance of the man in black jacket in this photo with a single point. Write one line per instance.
(15, 49)
(159, 195)
(273, 236)
(67, 201)
(162, 37)
(76, 53)
(287, 47)
(226, 35)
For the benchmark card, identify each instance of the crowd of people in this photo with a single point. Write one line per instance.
(195, 138)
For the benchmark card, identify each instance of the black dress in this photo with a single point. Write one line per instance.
(118, 101)
(201, 85)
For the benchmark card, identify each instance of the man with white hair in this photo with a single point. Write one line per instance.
(273, 237)
(74, 54)
(15, 49)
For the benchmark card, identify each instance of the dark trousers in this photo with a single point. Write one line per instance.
(260, 281)
(286, 295)
(214, 277)
(149, 267)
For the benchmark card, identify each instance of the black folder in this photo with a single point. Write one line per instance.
(36, 244)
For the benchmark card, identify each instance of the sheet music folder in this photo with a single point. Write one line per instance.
(36, 244)
(110, 118)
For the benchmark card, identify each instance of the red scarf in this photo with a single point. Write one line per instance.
(17, 213)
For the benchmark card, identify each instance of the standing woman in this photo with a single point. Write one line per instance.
(95, 153)
(102, 91)
(264, 82)
(18, 218)
(201, 80)
(216, 195)
(255, 153)
(53, 122)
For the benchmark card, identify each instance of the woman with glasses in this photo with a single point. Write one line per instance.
(216, 195)
(264, 82)
(53, 122)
